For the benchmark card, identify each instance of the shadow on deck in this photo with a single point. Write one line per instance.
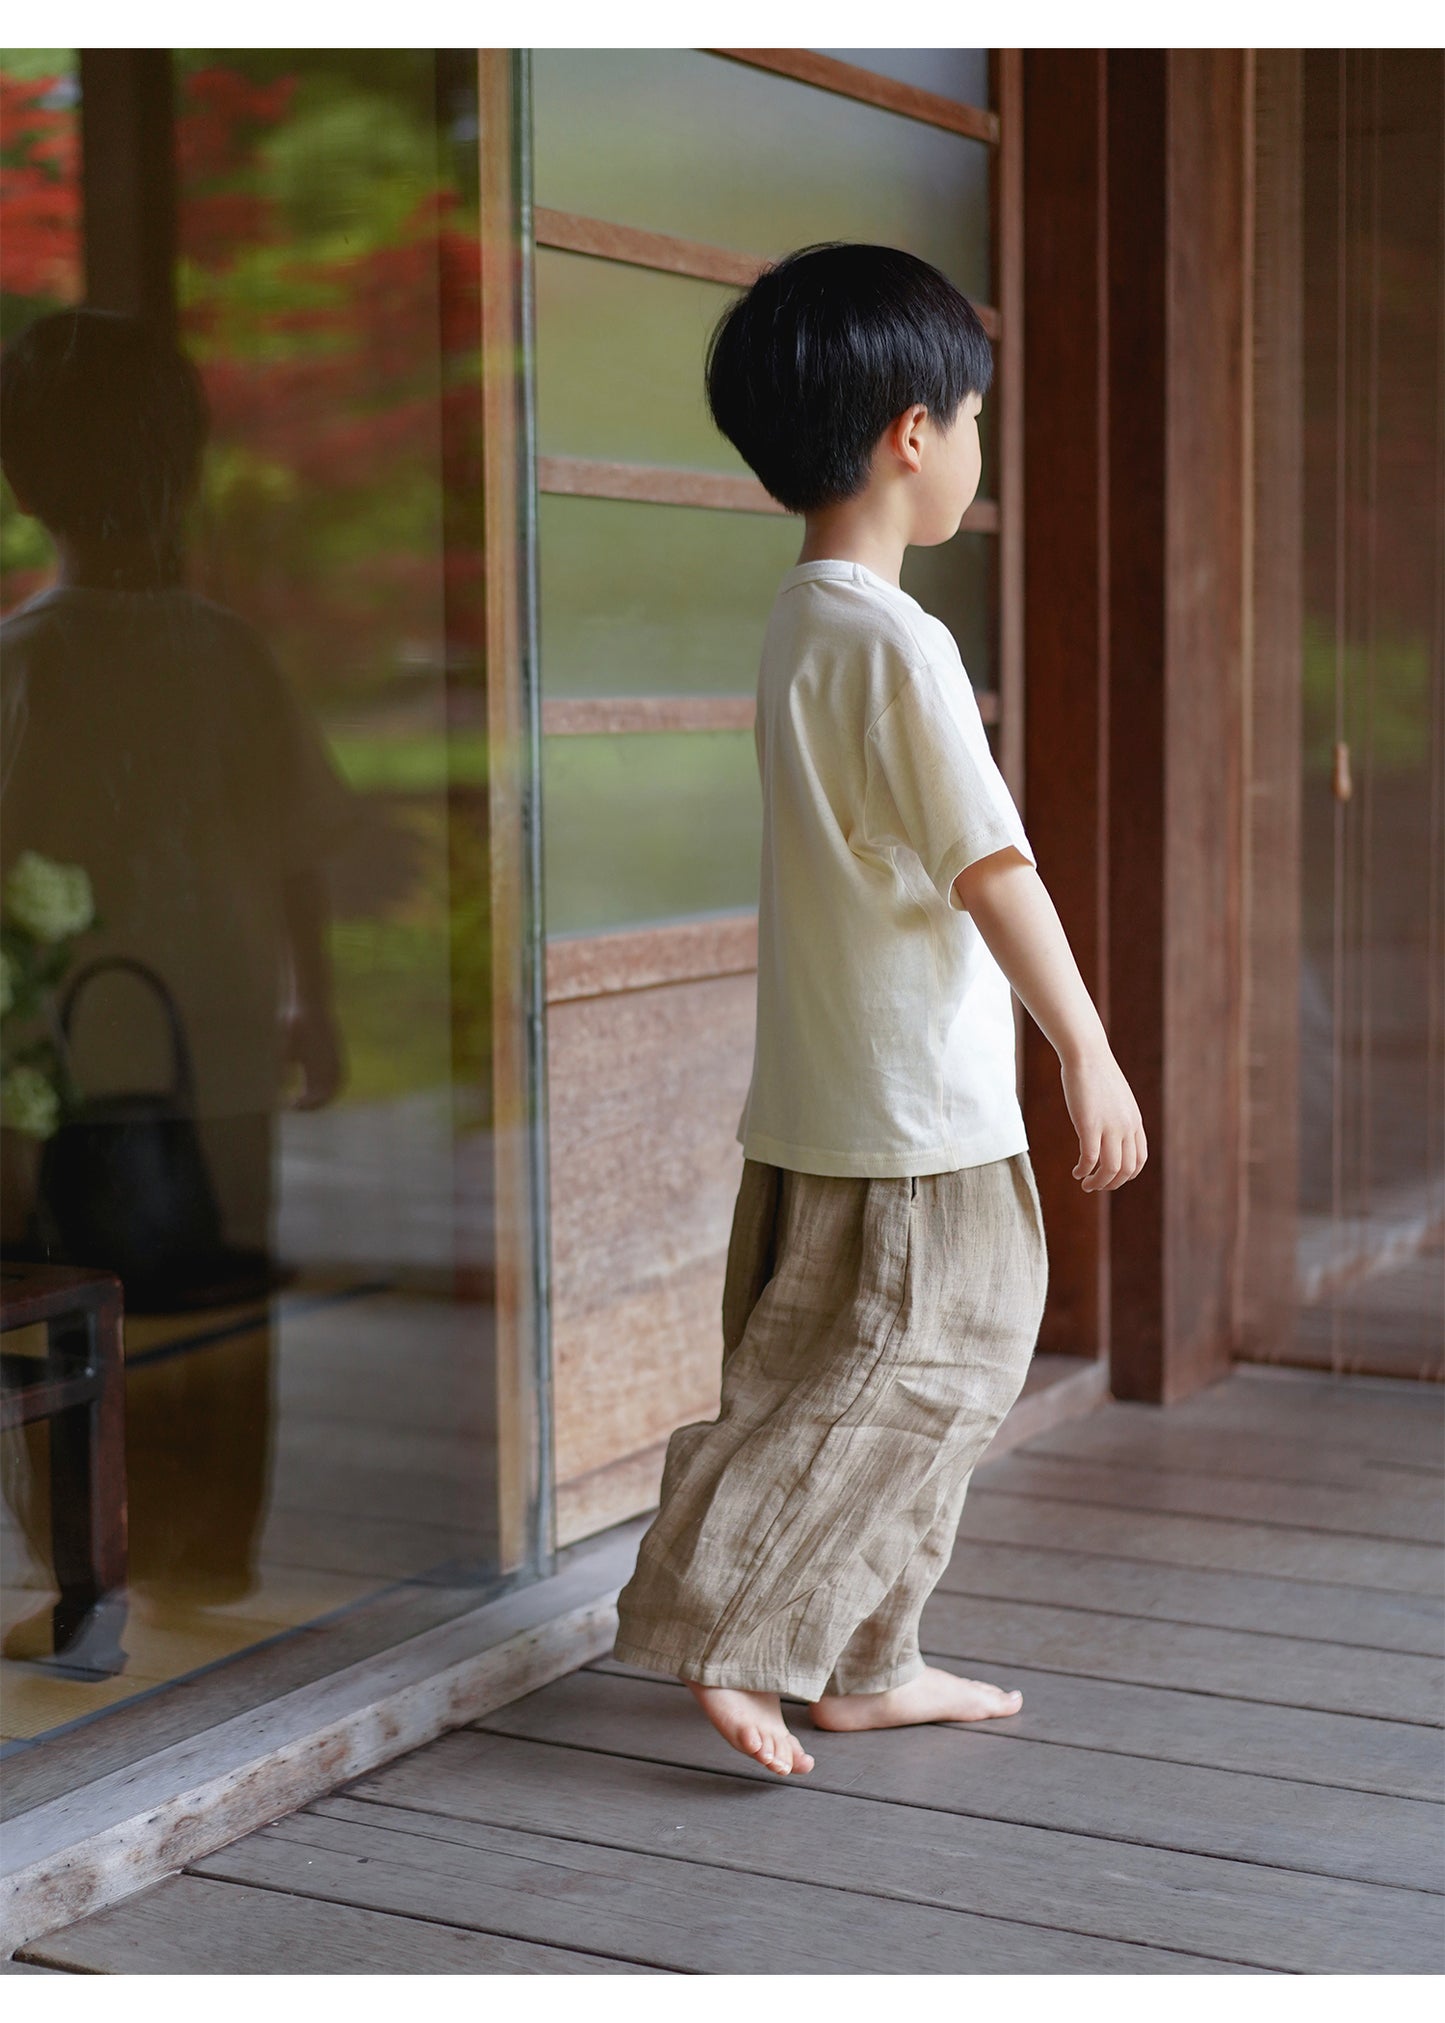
(1226, 1620)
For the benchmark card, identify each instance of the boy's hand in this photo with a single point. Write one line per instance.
(313, 1042)
(1102, 1109)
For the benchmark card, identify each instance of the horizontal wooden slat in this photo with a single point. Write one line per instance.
(653, 484)
(667, 485)
(636, 958)
(577, 715)
(571, 232)
(851, 80)
(571, 714)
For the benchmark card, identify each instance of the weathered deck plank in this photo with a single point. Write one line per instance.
(1226, 1618)
(1353, 1752)
(1144, 1437)
(189, 1924)
(1304, 1506)
(1391, 1419)
(990, 1773)
(1286, 1671)
(745, 1820)
(667, 1912)
(1220, 1542)
(1326, 1611)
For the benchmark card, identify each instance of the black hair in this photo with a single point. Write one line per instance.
(829, 345)
(103, 423)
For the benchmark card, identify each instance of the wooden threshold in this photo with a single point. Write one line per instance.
(90, 1848)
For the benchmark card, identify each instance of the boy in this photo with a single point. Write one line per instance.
(887, 1266)
(151, 737)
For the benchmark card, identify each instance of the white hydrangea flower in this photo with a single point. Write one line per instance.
(28, 1102)
(49, 900)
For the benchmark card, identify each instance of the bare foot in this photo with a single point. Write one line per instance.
(934, 1695)
(754, 1724)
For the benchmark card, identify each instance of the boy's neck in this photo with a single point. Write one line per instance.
(840, 536)
(120, 565)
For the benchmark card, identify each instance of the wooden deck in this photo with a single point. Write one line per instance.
(1226, 1619)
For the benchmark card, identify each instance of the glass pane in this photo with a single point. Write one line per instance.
(958, 582)
(680, 141)
(619, 364)
(656, 600)
(648, 826)
(1372, 1163)
(267, 752)
(40, 248)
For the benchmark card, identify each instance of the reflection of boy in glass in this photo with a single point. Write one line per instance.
(150, 736)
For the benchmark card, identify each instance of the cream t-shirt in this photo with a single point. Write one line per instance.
(885, 1027)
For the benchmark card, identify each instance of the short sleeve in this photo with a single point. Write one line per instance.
(321, 810)
(313, 810)
(933, 785)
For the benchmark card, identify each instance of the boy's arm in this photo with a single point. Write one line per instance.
(313, 1038)
(1011, 907)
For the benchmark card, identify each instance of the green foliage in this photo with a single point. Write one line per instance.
(1387, 698)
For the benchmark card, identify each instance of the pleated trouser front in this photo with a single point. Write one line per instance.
(875, 1333)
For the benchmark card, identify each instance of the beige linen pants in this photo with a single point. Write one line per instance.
(875, 1333)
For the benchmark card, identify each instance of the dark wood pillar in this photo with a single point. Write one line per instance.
(1137, 224)
(1179, 249)
(128, 182)
(1066, 607)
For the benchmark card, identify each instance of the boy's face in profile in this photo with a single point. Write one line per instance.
(956, 460)
(944, 466)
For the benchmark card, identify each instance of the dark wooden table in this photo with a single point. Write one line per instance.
(79, 1386)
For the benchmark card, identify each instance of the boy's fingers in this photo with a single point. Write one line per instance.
(1088, 1154)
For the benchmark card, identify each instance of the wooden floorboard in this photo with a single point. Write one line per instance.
(1396, 1758)
(1143, 1437)
(1226, 1618)
(743, 1819)
(1324, 1610)
(1219, 1542)
(192, 1924)
(1238, 1816)
(1302, 1506)
(1284, 1671)
(654, 1908)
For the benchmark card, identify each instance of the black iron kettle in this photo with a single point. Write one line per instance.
(123, 1182)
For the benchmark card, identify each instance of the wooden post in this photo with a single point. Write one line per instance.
(1179, 248)
(1138, 234)
(128, 182)
(1066, 472)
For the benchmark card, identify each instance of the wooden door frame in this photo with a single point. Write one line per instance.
(1146, 618)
